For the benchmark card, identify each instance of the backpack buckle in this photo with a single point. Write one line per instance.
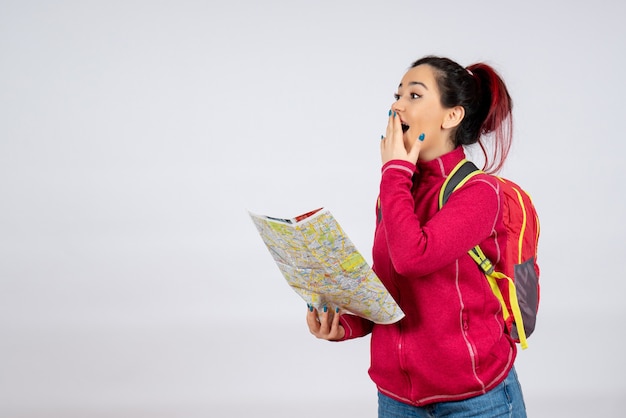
(486, 266)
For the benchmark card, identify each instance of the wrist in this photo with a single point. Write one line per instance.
(341, 333)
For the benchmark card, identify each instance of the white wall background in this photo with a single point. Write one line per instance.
(135, 135)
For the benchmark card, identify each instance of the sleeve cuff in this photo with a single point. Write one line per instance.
(403, 165)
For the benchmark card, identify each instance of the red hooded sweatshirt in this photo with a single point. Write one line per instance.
(451, 344)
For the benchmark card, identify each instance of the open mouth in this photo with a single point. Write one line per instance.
(405, 128)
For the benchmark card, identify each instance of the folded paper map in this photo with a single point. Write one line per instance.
(322, 265)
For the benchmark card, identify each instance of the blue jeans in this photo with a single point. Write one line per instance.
(505, 400)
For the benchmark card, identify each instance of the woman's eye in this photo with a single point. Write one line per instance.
(411, 95)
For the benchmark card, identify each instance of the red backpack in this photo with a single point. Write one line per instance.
(515, 279)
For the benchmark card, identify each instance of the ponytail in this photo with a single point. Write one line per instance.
(482, 93)
(497, 104)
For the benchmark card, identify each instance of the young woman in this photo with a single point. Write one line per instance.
(450, 355)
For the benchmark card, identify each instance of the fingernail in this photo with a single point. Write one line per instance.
(325, 308)
(337, 310)
(394, 114)
(310, 308)
(382, 137)
(422, 136)
(389, 112)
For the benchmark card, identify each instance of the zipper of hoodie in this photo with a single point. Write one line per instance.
(401, 359)
(401, 349)
(471, 348)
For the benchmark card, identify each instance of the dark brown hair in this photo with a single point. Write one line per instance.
(479, 89)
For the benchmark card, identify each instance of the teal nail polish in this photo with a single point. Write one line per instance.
(389, 112)
(382, 137)
(337, 310)
(325, 308)
(394, 114)
(310, 308)
(422, 136)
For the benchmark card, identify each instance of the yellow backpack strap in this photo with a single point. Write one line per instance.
(459, 175)
(492, 277)
(517, 313)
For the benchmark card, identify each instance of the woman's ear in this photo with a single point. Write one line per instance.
(453, 117)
